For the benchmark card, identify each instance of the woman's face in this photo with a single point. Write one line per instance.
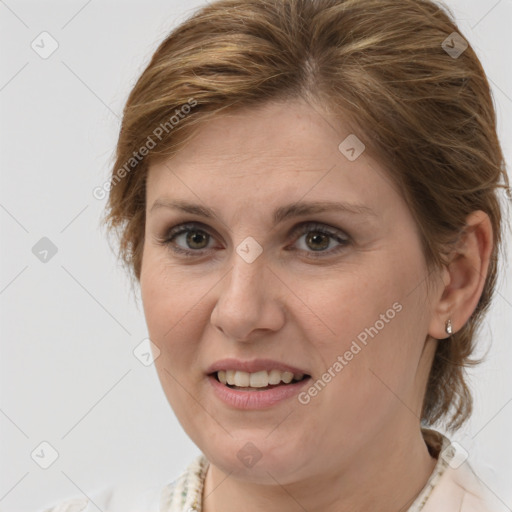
(337, 294)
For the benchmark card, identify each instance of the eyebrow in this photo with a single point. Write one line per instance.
(280, 214)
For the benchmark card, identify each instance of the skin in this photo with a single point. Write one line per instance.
(357, 445)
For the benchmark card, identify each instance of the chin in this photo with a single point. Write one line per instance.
(257, 458)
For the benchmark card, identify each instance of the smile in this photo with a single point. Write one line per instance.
(256, 380)
(255, 384)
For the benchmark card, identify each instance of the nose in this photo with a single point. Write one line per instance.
(249, 301)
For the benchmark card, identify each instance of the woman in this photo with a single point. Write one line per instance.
(307, 193)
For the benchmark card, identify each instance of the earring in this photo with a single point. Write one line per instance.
(448, 327)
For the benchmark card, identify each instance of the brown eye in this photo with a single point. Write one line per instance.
(195, 239)
(192, 239)
(317, 241)
(318, 238)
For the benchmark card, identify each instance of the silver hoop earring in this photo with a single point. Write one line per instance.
(448, 327)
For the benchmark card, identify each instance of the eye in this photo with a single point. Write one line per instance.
(193, 237)
(195, 240)
(319, 237)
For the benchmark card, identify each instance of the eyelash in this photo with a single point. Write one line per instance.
(298, 231)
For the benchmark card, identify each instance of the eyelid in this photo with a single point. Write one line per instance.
(302, 228)
(320, 226)
(293, 231)
(182, 228)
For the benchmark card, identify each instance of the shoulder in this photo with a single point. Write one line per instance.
(454, 485)
(170, 497)
(118, 498)
(462, 488)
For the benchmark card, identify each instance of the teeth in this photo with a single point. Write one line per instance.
(241, 379)
(259, 379)
(230, 376)
(287, 377)
(274, 377)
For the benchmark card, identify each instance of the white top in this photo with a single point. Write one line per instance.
(453, 486)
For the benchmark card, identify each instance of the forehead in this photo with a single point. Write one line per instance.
(287, 131)
(284, 151)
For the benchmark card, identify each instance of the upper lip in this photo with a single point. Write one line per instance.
(255, 365)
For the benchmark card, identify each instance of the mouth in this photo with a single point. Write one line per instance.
(262, 380)
(257, 384)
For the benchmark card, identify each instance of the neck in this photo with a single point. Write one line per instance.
(392, 472)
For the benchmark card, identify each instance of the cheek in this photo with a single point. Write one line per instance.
(171, 307)
(374, 319)
(171, 301)
(346, 305)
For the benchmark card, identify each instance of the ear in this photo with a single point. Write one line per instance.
(464, 276)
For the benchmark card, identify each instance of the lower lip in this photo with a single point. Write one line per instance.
(255, 399)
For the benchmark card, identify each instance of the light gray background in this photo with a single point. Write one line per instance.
(69, 326)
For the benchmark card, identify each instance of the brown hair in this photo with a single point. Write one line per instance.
(382, 64)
